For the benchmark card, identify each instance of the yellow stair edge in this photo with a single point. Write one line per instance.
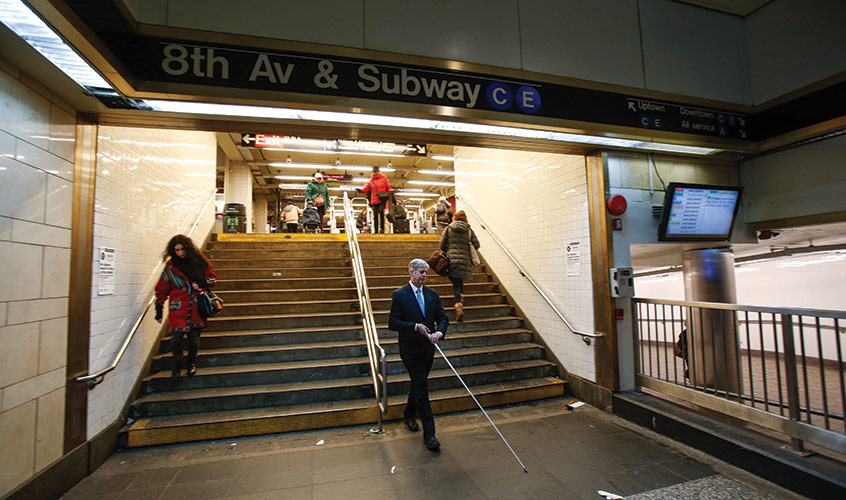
(257, 237)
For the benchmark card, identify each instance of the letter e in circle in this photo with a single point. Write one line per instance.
(528, 99)
(499, 96)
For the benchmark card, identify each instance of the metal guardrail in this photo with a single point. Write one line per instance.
(586, 336)
(375, 352)
(777, 367)
(96, 378)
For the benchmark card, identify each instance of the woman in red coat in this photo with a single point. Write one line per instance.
(378, 183)
(185, 275)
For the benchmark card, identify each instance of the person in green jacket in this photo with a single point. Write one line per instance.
(317, 192)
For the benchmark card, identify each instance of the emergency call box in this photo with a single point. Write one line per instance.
(622, 281)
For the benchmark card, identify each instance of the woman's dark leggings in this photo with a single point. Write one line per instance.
(378, 218)
(322, 211)
(193, 346)
(457, 288)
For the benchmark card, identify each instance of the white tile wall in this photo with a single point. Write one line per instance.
(151, 184)
(535, 204)
(36, 188)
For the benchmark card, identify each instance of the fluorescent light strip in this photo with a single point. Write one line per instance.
(318, 166)
(309, 166)
(436, 172)
(442, 157)
(293, 177)
(417, 194)
(432, 183)
(201, 108)
(27, 25)
(326, 152)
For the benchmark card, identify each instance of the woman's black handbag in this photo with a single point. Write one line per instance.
(209, 304)
(383, 195)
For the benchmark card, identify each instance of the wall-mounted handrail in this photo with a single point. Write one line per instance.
(585, 335)
(95, 378)
(375, 352)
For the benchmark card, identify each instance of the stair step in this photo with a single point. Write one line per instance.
(280, 263)
(282, 371)
(261, 337)
(312, 391)
(219, 425)
(282, 295)
(278, 353)
(237, 309)
(284, 272)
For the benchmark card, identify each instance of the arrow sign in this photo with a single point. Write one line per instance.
(246, 139)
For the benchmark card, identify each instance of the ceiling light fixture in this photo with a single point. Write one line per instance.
(309, 166)
(417, 194)
(335, 117)
(27, 25)
(293, 177)
(328, 152)
(442, 157)
(432, 183)
(436, 172)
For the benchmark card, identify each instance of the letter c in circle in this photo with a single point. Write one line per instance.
(499, 96)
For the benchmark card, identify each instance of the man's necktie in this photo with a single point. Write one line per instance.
(420, 301)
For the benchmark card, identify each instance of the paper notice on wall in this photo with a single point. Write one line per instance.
(106, 272)
(574, 259)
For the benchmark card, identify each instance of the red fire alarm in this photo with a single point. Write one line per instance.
(616, 224)
(620, 314)
(617, 205)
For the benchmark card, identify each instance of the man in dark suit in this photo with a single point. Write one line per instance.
(419, 317)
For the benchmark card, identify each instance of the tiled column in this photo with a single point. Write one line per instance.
(260, 214)
(238, 188)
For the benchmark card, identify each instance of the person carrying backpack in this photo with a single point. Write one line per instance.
(318, 193)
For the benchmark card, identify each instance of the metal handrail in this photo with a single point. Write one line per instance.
(375, 352)
(729, 374)
(796, 311)
(586, 335)
(96, 378)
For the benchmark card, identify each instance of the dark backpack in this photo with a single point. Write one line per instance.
(311, 216)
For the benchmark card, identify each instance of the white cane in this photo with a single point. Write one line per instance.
(480, 407)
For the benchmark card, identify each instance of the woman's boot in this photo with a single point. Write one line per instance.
(459, 312)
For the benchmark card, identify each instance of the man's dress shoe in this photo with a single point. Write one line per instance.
(432, 443)
(411, 423)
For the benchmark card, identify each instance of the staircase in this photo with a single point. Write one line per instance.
(287, 353)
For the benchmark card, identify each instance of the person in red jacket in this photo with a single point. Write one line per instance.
(380, 191)
(185, 275)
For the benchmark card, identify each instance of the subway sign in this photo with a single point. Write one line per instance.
(158, 60)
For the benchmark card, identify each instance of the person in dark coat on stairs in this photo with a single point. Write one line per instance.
(186, 274)
(419, 317)
(455, 242)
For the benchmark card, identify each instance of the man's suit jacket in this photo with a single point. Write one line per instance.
(405, 313)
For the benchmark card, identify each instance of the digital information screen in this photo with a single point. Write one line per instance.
(701, 213)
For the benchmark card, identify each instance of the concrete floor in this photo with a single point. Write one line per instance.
(568, 454)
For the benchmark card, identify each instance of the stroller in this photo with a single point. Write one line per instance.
(311, 218)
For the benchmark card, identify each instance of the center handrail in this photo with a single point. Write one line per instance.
(375, 352)
(95, 378)
(587, 335)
